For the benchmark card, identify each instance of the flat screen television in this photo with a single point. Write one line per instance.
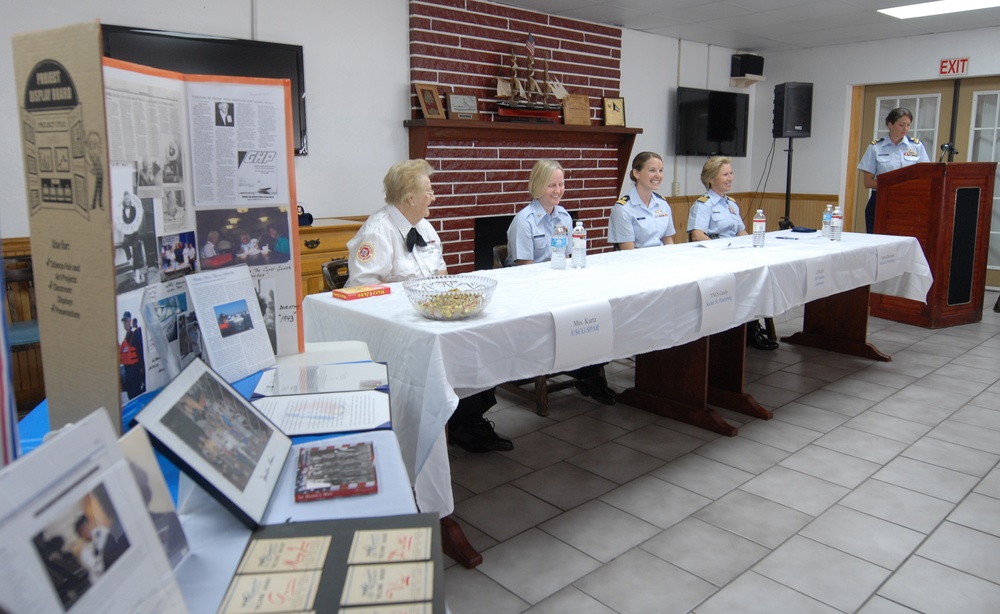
(710, 123)
(205, 55)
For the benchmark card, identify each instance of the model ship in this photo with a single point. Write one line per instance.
(522, 97)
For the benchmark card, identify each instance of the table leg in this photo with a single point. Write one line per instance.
(680, 382)
(456, 545)
(839, 323)
(726, 357)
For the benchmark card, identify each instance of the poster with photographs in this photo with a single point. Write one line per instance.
(74, 533)
(218, 438)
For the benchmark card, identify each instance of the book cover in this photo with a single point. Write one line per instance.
(335, 471)
(350, 294)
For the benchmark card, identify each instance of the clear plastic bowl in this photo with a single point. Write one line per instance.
(450, 297)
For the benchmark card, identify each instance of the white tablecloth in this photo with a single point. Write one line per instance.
(655, 303)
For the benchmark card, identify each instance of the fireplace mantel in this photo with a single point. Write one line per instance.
(425, 131)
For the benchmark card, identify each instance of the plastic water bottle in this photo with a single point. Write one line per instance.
(759, 228)
(836, 224)
(827, 220)
(579, 246)
(560, 241)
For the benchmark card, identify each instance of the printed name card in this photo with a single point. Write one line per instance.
(718, 302)
(390, 545)
(583, 332)
(889, 263)
(819, 282)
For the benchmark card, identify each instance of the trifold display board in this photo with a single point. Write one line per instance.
(135, 178)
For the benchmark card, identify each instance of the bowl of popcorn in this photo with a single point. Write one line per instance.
(450, 297)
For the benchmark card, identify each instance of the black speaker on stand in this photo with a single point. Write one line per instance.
(792, 120)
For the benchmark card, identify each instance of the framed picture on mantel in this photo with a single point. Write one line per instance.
(430, 101)
(462, 106)
(614, 111)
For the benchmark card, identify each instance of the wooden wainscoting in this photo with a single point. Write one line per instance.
(29, 381)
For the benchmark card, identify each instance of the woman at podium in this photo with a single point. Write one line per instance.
(888, 154)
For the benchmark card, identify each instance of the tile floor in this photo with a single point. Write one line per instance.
(874, 489)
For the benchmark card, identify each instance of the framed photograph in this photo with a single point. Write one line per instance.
(430, 101)
(219, 439)
(614, 111)
(462, 106)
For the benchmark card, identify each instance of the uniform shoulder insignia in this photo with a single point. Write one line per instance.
(877, 141)
(703, 199)
(915, 141)
(623, 200)
(658, 196)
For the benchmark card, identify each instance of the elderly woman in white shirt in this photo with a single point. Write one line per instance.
(397, 243)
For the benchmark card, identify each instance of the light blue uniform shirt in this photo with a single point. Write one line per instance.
(530, 233)
(716, 216)
(882, 156)
(633, 222)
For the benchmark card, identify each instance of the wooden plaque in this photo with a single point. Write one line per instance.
(576, 110)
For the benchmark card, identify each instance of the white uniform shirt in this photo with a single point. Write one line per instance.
(377, 253)
(716, 215)
(633, 222)
(882, 156)
(529, 235)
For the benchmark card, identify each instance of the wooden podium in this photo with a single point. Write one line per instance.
(947, 207)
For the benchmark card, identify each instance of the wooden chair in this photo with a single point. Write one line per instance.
(533, 389)
(335, 273)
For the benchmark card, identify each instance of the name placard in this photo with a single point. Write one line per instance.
(889, 264)
(583, 332)
(718, 302)
(819, 282)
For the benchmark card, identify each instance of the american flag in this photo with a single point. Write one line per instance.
(530, 45)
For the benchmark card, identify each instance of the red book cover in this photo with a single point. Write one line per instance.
(349, 294)
(335, 471)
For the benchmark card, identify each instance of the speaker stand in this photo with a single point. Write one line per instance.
(785, 223)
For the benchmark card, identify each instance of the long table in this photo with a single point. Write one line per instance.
(656, 304)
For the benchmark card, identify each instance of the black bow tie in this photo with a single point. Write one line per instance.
(413, 238)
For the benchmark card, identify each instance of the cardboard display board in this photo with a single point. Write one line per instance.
(57, 74)
(136, 178)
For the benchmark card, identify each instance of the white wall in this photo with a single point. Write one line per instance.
(652, 69)
(357, 80)
(819, 162)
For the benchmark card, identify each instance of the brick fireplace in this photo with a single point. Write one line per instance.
(462, 46)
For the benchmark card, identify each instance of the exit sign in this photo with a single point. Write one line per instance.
(955, 66)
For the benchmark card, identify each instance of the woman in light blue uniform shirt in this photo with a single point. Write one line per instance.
(528, 241)
(643, 217)
(888, 154)
(716, 216)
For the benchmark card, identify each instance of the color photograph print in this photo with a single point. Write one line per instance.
(255, 236)
(226, 434)
(233, 318)
(131, 346)
(178, 255)
(80, 545)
